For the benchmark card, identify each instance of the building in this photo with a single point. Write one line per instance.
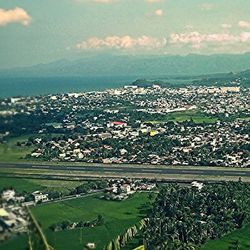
(126, 188)
(8, 194)
(91, 245)
(196, 184)
(117, 124)
(40, 197)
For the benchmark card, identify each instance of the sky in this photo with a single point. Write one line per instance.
(33, 32)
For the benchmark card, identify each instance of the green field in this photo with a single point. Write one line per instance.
(195, 115)
(242, 235)
(17, 243)
(10, 152)
(31, 185)
(118, 216)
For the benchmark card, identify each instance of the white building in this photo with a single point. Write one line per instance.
(8, 195)
(126, 188)
(196, 184)
(39, 196)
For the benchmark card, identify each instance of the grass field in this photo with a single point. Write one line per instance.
(17, 243)
(31, 185)
(242, 235)
(10, 152)
(19, 184)
(118, 216)
(188, 115)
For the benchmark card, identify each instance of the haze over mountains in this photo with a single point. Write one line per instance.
(118, 65)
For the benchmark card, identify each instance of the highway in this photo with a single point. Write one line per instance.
(125, 169)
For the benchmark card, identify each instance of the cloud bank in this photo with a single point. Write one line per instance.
(121, 42)
(17, 15)
(197, 39)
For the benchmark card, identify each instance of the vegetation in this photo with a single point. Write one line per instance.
(182, 116)
(118, 217)
(183, 218)
(10, 151)
(16, 243)
(86, 187)
(30, 185)
(238, 238)
(122, 240)
(68, 225)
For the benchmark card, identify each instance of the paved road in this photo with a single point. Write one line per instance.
(126, 169)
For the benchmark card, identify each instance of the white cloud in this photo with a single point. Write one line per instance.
(17, 15)
(159, 12)
(197, 39)
(244, 24)
(120, 42)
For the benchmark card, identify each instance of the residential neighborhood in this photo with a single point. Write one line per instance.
(153, 125)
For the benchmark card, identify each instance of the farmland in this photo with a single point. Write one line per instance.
(118, 216)
(31, 185)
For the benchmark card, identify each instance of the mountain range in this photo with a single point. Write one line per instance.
(140, 66)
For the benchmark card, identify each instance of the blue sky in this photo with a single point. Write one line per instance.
(33, 32)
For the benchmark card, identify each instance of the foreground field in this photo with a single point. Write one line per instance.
(31, 185)
(241, 235)
(118, 216)
(17, 243)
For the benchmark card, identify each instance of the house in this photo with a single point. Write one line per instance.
(8, 194)
(126, 188)
(196, 184)
(91, 245)
(40, 197)
(117, 124)
(123, 151)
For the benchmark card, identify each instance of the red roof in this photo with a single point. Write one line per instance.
(118, 123)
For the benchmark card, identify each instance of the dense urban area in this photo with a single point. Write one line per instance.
(172, 126)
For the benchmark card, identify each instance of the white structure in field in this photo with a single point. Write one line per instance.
(39, 196)
(196, 184)
(8, 194)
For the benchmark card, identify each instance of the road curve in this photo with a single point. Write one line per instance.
(125, 169)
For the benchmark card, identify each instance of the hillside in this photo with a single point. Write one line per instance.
(139, 66)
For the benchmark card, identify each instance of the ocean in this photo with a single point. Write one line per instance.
(13, 87)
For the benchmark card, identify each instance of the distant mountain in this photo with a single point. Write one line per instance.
(140, 66)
